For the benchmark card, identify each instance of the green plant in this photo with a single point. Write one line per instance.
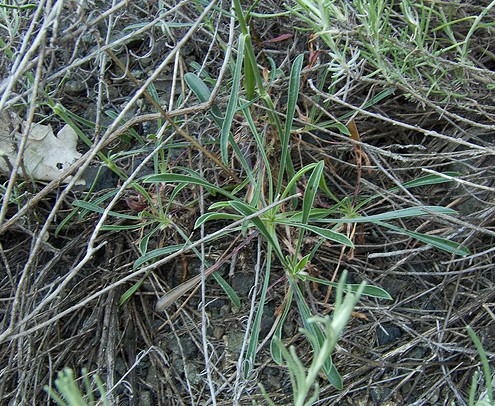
(10, 21)
(272, 178)
(75, 121)
(68, 392)
(488, 399)
(305, 388)
(266, 200)
(411, 44)
(18, 195)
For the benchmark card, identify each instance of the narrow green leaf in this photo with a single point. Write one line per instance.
(390, 215)
(294, 84)
(261, 147)
(215, 216)
(260, 225)
(203, 93)
(62, 112)
(131, 291)
(143, 244)
(277, 335)
(175, 192)
(484, 363)
(296, 177)
(372, 291)
(153, 92)
(429, 180)
(308, 201)
(198, 87)
(253, 339)
(234, 298)
(159, 252)
(97, 209)
(404, 213)
(97, 202)
(274, 72)
(233, 99)
(421, 181)
(242, 159)
(437, 242)
(315, 335)
(310, 191)
(240, 17)
(219, 205)
(249, 79)
(324, 187)
(328, 234)
(301, 264)
(195, 180)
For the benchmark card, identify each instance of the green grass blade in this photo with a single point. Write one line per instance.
(253, 339)
(198, 86)
(249, 79)
(101, 388)
(318, 215)
(294, 84)
(195, 180)
(474, 27)
(234, 298)
(215, 216)
(261, 147)
(324, 232)
(310, 191)
(484, 363)
(153, 92)
(97, 209)
(143, 244)
(159, 252)
(203, 93)
(472, 390)
(233, 100)
(270, 235)
(240, 17)
(315, 335)
(296, 177)
(61, 111)
(429, 180)
(171, 199)
(404, 213)
(242, 159)
(277, 335)
(372, 291)
(437, 242)
(132, 290)
(308, 200)
(426, 180)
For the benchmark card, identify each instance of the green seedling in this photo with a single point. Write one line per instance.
(305, 388)
(68, 393)
(488, 399)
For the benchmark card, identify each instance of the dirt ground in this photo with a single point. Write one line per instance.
(61, 283)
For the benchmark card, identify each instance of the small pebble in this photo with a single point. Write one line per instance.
(387, 333)
(218, 332)
(74, 87)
